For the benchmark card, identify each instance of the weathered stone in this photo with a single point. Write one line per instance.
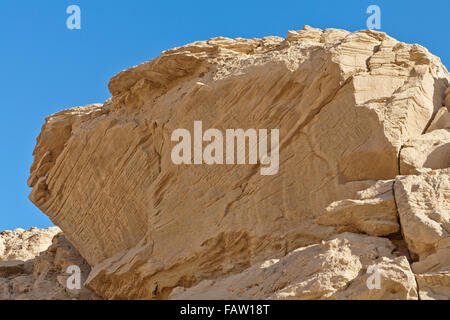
(40, 277)
(335, 269)
(23, 244)
(447, 98)
(9, 268)
(423, 203)
(441, 120)
(344, 103)
(373, 212)
(424, 208)
(434, 286)
(426, 152)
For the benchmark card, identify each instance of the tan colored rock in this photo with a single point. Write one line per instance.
(426, 152)
(345, 104)
(373, 211)
(23, 244)
(441, 120)
(44, 276)
(335, 269)
(437, 261)
(433, 273)
(4, 288)
(447, 98)
(8, 268)
(434, 286)
(424, 209)
(423, 203)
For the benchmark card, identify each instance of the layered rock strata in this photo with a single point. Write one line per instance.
(364, 136)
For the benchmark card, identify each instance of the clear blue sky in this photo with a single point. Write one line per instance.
(45, 67)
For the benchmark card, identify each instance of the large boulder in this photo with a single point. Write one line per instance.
(344, 103)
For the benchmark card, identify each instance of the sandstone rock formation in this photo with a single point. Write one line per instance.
(426, 152)
(23, 244)
(424, 208)
(363, 122)
(43, 275)
(334, 269)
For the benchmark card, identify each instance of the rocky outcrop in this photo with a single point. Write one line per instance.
(336, 269)
(426, 152)
(43, 276)
(351, 109)
(424, 208)
(23, 244)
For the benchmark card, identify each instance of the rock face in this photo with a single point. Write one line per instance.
(43, 275)
(23, 244)
(373, 212)
(424, 209)
(426, 152)
(334, 269)
(353, 111)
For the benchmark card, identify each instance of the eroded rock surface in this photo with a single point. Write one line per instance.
(23, 244)
(441, 120)
(348, 107)
(424, 209)
(43, 275)
(334, 269)
(373, 211)
(426, 152)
